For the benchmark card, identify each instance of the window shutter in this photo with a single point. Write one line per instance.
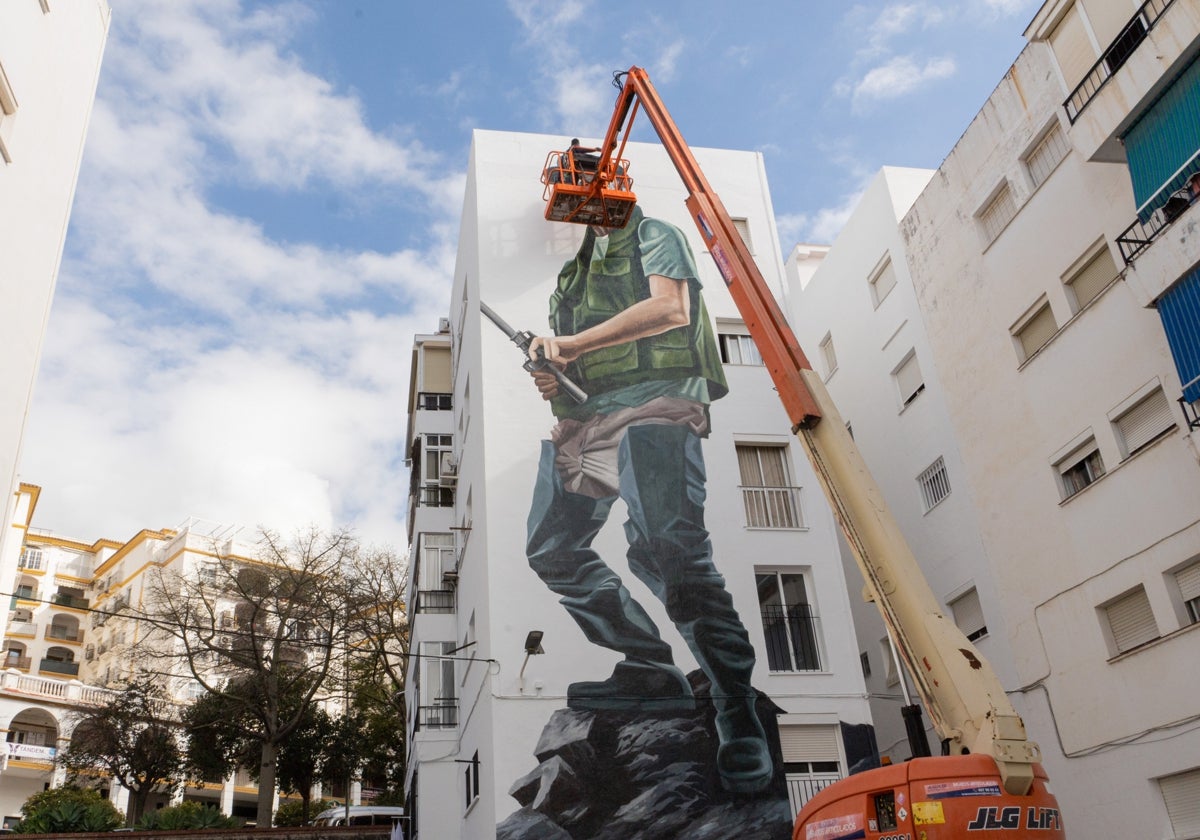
(1181, 793)
(998, 213)
(1037, 331)
(968, 614)
(883, 282)
(1188, 581)
(1132, 621)
(1072, 48)
(1046, 155)
(809, 743)
(1090, 280)
(909, 379)
(1142, 423)
(1108, 19)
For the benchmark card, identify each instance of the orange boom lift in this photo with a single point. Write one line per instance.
(988, 782)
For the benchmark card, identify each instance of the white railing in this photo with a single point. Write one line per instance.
(22, 628)
(15, 682)
(772, 507)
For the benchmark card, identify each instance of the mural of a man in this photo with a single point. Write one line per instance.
(631, 328)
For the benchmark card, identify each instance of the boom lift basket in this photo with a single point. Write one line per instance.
(577, 191)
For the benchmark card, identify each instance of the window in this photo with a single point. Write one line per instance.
(1093, 277)
(934, 484)
(742, 226)
(435, 446)
(885, 650)
(8, 110)
(472, 779)
(767, 495)
(1181, 795)
(882, 281)
(968, 615)
(864, 659)
(790, 623)
(737, 347)
(811, 760)
(1141, 425)
(430, 401)
(1034, 330)
(437, 558)
(909, 382)
(439, 703)
(31, 558)
(1130, 621)
(997, 213)
(1079, 469)
(828, 355)
(1046, 155)
(1188, 581)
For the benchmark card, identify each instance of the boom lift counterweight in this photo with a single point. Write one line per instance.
(990, 769)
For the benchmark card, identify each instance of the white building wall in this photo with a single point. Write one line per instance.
(509, 256)
(873, 334)
(1109, 724)
(49, 66)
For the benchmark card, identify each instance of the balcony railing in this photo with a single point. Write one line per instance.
(21, 663)
(22, 628)
(435, 601)
(63, 634)
(791, 635)
(30, 752)
(772, 507)
(24, 593)
(73, 601)
(442, 716)
(55, 667)
(1113, 58)
(1191, 412)
(433, 401)
(435, 497)
(1139, 235)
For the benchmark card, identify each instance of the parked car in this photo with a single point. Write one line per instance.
(360, 815)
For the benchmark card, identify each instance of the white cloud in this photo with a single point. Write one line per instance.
(900, 76)
(820, 227)
(194, 364)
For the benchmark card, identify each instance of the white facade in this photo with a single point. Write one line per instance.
(1029, 295)
(857, 298)
(509, 256)
(49, 66)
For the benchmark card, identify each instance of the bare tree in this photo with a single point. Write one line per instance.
(133, 738)
(262, 635)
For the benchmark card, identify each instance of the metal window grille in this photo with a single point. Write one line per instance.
(791, 627)
(934, 484)
(768, 498)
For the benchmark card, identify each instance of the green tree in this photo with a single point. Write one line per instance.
(65, 810)
(132, 737)
(260, 637)
(294, 812)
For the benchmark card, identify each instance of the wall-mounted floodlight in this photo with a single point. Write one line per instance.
(533, 646)
(533, 642)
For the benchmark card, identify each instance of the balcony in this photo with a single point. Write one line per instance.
(54, 666)
(30, 752)
(433, 401)
(21, 663)
(22, 628)
(63, 634)
(432, 496)
(791, 636)
(74, 602)
(772, 507)
(444, 715)
(1114, 58)
(1153, 48)
(435, 601)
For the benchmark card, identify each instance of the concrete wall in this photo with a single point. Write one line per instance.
(52, 62)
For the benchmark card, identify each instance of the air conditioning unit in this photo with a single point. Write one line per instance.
(448, 470)
(443, 325)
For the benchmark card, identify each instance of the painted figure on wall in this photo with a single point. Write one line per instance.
(630, 327)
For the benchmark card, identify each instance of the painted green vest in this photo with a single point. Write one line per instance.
(586, 297)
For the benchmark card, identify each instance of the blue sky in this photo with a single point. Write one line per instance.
(268, 206)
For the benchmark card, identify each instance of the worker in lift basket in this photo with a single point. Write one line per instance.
(631, 328)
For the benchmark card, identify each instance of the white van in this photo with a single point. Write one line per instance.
(360, 815)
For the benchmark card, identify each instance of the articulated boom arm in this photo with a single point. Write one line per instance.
(964, 697)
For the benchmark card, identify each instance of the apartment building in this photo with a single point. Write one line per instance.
(69, 641)
(1042, 453)
(49, 66)
(498, 740)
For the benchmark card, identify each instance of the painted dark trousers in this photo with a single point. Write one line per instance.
(661, 480)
